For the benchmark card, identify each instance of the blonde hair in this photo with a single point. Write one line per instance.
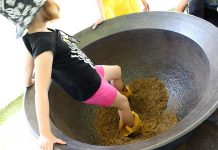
(50, 10)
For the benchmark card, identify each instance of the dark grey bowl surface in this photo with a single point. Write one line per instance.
(177, 48)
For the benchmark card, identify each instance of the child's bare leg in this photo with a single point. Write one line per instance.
(125, 113)
(113, 74)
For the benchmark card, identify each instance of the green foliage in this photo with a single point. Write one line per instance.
(12, 108)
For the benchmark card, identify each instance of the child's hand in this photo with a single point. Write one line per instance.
(47, 142)
(98, 22)
(31, 83)
(146, 5)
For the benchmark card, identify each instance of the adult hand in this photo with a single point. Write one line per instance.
(98, 22)
(146, 5)
(47, 142)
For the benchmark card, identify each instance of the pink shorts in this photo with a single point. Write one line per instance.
(106, 94)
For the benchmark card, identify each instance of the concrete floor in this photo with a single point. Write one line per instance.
(15, 134)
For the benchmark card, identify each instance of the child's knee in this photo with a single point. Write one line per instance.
(117, 69)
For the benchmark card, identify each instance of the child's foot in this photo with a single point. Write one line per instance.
(126, 130)
(126, 91)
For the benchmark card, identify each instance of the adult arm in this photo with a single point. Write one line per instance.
(146, 5)
(101, 11)
(182, 6)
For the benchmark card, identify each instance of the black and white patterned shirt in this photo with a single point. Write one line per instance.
(71, 69)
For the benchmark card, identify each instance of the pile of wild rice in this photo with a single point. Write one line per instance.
(149, 100)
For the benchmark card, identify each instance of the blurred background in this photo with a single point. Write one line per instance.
(75, 16)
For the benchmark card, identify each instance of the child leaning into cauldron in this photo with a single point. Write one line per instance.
(112, 8)
(54, 55)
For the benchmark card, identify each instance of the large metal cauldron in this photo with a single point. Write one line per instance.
(181, 50)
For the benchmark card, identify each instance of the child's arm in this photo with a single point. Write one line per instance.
(28, 70)
(101, 11)
(146, 5)
(182, 5)
(43, 69)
